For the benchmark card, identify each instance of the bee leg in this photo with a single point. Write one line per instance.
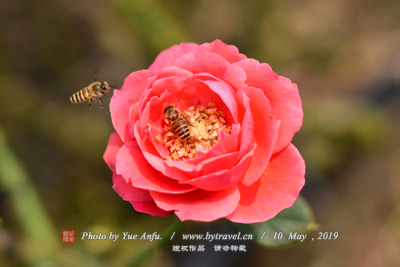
(100, 105)
(90, 102)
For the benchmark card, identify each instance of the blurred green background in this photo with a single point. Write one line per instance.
(344, 56)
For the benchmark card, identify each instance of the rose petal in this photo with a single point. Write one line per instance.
(235, 76)
(168, 57)
(218, 93)
(210, 165)
(122, 99)
(133, 113)
(203, 61)
(132, 166)
(113, 146)
(171, 86)
(247, 124)
(128, 192)
(227, 142)
(199, 205)
(226, 177)
(229, 52)
(158, 144)
(151, 125)
(173, 72)
(153, 114)
(154, 161)
(227, 95)
(265, 133)
(149, 207)
(184, 170)
(282, 94)
(273, 192)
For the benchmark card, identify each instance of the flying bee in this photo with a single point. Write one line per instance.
(95, 91)
(179, 124)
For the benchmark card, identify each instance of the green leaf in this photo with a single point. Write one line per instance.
(284, 229)
(288, 227)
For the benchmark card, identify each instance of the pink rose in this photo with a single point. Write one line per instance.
(249, 174)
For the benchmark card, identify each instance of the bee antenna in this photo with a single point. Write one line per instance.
(113, 86)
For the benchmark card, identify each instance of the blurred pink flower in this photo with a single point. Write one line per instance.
(249, 176)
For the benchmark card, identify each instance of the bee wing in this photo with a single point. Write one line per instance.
(96, 74)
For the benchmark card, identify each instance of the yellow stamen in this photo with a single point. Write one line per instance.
(205, 124)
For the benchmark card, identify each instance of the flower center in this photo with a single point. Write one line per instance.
(203, 124)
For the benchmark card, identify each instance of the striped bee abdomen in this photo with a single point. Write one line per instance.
(178, 123)
(80, 96)
(181, 127)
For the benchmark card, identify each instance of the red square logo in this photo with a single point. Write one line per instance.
(68, 236)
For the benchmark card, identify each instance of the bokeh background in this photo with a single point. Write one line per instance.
(344, 56)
